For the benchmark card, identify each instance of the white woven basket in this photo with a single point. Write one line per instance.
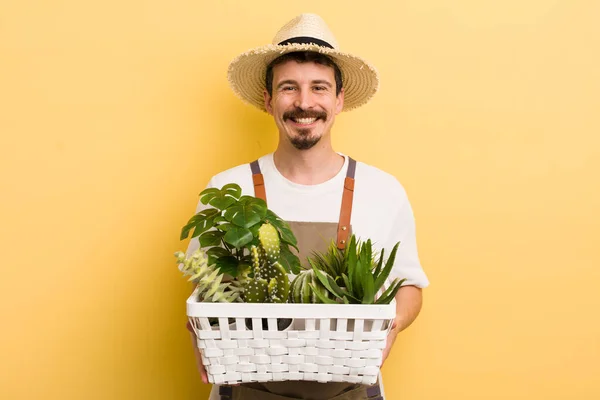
(324, 343)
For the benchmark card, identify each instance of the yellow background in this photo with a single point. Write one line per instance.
(114, 115)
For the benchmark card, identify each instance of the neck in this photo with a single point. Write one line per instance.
(308, 167)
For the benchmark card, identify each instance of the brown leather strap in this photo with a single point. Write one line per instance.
(346, 210)
(258, 180)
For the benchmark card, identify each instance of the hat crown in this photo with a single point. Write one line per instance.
(306, 25)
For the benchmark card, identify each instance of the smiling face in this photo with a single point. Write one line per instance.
(303, 102)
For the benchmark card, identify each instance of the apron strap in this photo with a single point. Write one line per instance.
(346, 209)
(258, 180)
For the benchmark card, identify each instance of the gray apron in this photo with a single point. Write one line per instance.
(311, 236)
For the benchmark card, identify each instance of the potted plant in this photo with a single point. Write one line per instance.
(246, 242)
(351, 276)
(230, 226)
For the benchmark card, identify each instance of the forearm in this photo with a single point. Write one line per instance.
(409, 300)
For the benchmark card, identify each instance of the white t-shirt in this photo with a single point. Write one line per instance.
(380, 208)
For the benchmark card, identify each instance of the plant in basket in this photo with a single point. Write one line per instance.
(207, 278)
(246, 242)
(354, 275)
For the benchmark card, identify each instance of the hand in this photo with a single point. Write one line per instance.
(199, 364)
(391, 338)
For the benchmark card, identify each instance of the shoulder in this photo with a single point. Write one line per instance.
(237, 174)
(374, 180)
(240, 174)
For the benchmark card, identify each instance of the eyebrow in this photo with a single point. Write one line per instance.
(315, 82)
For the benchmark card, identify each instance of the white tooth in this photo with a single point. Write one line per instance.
(306, 120)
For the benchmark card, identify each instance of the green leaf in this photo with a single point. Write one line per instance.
(289, 260)
(380, 279)
(352, 261)
(357, 287)
(211, 238)
(287, 236)
(228, 265)
(252, 199)
(324, 299)
(328, 282)
(369, 293)
(390, 292)
(246, 214)
(238, 237)
(223, 198)
(207, 194)
(216, 252)
(201, 222)
(379, 264)
(225, 227)
(254, 229)
(346, 281)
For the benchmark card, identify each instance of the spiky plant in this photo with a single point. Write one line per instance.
(269, 283)
(208, 279)
(362, 277)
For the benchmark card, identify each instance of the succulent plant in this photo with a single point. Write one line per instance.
(304, 286)
(362, 275)
(208, 279)
(269, 283)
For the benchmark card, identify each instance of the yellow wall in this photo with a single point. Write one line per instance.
(114, 114)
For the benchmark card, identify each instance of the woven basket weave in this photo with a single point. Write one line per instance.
(324, 343)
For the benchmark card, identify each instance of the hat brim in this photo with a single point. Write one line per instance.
(246, 73)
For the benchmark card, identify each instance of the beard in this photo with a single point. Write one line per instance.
(304, 141)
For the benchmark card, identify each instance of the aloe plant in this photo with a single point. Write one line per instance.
(229, 228)
(362, 275)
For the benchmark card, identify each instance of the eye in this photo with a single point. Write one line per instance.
(287, 88)
(320, 88)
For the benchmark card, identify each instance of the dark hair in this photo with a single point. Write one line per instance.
(302, 57)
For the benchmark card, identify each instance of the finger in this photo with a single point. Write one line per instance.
(203, 374)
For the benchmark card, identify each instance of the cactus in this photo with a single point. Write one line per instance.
(208, 280)
(270, 283)
(303, 288)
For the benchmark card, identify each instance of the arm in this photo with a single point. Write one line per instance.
(408, 305)
(201, 369)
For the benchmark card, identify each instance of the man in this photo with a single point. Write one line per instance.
(303, 81)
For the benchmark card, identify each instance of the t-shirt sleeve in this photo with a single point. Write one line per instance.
(402, 229)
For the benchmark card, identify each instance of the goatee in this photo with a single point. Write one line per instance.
(304, 141)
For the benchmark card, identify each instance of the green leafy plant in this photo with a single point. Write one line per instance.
(361, 275)
(229, 228)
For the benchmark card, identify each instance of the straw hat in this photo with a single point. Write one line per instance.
(306, 32)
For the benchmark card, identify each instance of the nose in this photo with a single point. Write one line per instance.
(304, 99)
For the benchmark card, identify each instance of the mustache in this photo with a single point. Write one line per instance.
(300, 113)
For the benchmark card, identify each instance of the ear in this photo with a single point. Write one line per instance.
(268, 99)
(339, 102)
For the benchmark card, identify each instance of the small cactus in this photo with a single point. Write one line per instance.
(304, 286)
(269, 241)
(270, 283)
